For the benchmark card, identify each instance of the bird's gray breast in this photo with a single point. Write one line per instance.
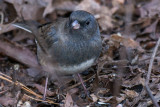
(76, 56)
(72, 52)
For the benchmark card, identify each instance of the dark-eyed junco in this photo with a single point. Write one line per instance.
(67, 45)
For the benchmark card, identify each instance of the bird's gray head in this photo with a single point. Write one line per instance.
(82, 23)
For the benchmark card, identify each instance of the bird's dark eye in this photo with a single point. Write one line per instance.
(87, 22)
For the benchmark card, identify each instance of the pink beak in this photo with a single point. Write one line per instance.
(75, 24)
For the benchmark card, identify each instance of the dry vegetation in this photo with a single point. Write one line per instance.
(129, 62)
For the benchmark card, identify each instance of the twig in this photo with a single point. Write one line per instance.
(6, 76)
(2, 92)
(38, 97)
(149, 73)
(2, 17)
(142, 60)
(118, 80)
(141, 95)
(129, 8)
(73, 86)
(5, 27)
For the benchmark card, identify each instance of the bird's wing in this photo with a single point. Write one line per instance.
(47, 34)
(44, 34)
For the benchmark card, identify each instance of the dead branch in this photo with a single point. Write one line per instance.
(149, 74)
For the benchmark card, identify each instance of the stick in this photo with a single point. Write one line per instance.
(149, 73)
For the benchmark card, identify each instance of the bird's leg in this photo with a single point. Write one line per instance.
(81, 80)
(45, 89)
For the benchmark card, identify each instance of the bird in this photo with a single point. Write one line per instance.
(66, 46)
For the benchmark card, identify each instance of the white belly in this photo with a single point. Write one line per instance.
(76, 68)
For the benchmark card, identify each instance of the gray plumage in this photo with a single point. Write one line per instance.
(59, 45)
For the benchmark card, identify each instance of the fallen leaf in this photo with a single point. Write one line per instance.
(24, 104)
(6, 28)
(41, 90)
(58, 5)
(105, 99)
(69, 101)
(7, 101)
(21, 54)
(134, 81)
(94, 97)
(21, 35)
(30, 9)
(131, 93)
(127, 42)
(102, 13)
(120, 98)
(50, 8)
(150, 9)
(7, 11)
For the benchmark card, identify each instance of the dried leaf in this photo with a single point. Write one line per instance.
(69, 101)
(41, 90)
(150, 9)
(94, 97)
(30, 9)
(19, 53)
(7, 11)
(101, 12)
(21, 35)
(126, 41)
(121, 98)
(131, 93)
(25, 104)
(6, 28)
(135, 81)
(58, 5)
(7, 101)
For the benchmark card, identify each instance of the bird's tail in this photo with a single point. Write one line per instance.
(32, 27)
(29, 26)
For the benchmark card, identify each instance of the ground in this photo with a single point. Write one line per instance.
(127, 73)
